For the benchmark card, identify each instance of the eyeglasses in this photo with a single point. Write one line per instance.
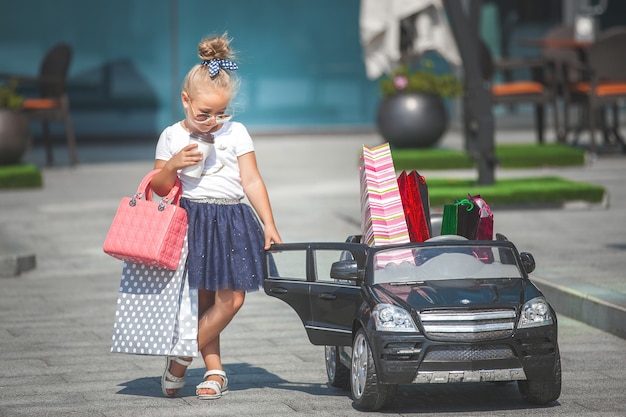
(203, 117)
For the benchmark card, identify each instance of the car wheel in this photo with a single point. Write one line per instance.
(545, 389)
(338, 374)
(367, 392)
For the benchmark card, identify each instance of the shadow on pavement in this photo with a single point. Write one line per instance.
(242, 376)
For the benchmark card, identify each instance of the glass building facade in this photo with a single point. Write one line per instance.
(301, 62)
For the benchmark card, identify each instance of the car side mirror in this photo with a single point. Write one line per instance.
(528, 262)
(344, 270)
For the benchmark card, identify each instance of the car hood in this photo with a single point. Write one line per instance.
(452, 293)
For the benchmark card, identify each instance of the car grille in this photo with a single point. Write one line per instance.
(468, 353)
(468, 325)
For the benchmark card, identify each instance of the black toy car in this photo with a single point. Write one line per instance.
(442, 311)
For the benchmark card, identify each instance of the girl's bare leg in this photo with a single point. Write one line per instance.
(215, 312)
(205, 300)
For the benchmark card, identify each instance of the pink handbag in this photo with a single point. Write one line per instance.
(148, 232)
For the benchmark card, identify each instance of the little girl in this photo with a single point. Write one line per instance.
(226, 241)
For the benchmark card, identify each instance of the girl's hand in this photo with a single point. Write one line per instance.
(163, 182)
(188, 156)
(271, 236)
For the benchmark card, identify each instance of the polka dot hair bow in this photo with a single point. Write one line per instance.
(215, 64)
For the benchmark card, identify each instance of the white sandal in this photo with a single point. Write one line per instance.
(169, 381)
(214, 385)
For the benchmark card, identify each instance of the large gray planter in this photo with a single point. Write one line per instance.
(14, 136)
(412, 120)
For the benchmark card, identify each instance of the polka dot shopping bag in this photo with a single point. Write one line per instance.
(157, 313)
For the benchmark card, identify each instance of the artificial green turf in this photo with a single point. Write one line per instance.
(430, 159)
(20, 176)
(529, 156)
(515, 191)
(508, 155)
(509, 192)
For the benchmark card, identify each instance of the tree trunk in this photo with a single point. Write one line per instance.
(477, 112)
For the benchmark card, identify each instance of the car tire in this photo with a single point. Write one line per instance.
(367, 392)
(545, 389)
(338, 374)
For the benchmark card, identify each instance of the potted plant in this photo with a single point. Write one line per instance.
(14, 131)
(412, 112)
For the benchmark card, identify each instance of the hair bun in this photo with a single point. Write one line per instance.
(217, 47)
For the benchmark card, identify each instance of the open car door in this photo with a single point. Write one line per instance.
(322, 283)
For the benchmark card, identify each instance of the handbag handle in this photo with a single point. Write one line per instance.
(145, 191)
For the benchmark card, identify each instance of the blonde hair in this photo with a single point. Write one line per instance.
(199, 77)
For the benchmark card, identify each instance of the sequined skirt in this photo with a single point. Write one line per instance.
(225, 246)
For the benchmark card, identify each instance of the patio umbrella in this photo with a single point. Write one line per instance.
(393, 31)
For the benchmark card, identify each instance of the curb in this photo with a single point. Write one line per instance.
(587, 304)
(14, 257)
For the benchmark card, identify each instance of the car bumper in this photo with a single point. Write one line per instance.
(406, 359)
(483, 375)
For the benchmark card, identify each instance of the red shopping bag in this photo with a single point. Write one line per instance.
(414, 194)
(484, 230)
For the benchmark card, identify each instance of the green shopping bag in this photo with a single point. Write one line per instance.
(449, 219)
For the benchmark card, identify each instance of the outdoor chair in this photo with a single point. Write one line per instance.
(52, 102)
(565, 63)
(532, 90)
(606, 87)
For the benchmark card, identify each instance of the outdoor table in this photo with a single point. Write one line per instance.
(579, 46)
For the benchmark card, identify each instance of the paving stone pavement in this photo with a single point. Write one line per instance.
(56, 318)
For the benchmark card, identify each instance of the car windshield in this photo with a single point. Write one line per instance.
(404, 265)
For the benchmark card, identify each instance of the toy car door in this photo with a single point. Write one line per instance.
(326, 302)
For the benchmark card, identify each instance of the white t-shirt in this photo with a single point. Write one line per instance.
(221, 177)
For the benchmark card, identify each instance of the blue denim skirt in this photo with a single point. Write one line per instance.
(225, 246)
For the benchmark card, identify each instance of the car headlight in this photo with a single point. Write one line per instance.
(535, 312)
(390, 318)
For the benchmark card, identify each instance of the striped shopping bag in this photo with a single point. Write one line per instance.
(382, 215)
